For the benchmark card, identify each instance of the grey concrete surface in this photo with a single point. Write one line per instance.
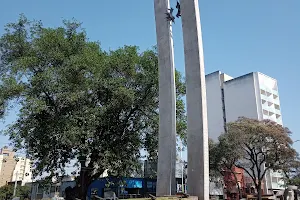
(166, 183)
(198, 166)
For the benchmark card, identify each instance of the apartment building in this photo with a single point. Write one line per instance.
(13, 168)
(254, 95)
(7, 165)
(22, 171)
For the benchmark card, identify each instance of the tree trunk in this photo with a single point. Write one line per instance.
(86, 176)
(237, 184)
(258, 188)
(85, 181)
(81, 188)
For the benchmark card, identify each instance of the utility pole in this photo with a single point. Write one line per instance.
(16, 182)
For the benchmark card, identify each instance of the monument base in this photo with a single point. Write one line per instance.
(168, 198)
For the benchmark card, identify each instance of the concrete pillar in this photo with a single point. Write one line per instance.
(166, 182)
(198, 166)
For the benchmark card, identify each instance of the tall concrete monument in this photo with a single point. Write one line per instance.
(166, 182)
(198, 166)
(198, 159)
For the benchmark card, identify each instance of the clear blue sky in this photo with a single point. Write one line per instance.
(239, 36)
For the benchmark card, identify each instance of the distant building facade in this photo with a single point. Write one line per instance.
(254, 95)
(13, 168)
(231, 181)
(7, 165)
(39, 192)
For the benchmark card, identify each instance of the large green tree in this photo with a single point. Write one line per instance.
(77, 100)
(259, 146)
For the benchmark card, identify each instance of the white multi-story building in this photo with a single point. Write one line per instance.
(22, 171)
(253, 95)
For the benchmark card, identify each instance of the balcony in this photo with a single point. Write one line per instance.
(262, 91)
(277, 109)
(267, 98)
(278, 116)
(264, 104)
(270, 95)
(275, 96)
(279, 121)
(275, 92)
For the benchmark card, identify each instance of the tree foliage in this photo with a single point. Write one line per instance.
(259, 146)
(222, 159)
(222, 155)
(214, 169)
(291, 170)
(7, 191)
(78, 100)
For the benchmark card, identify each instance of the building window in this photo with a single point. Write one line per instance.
(277, 106)
(262, 92)
(40, 190)
(277, 116)
(271, 113)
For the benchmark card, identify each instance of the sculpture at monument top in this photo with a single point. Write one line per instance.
(170, 16)
(169, 13)
(178, 10)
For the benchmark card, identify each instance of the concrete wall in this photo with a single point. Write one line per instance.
(214, 105)
(240, 98)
